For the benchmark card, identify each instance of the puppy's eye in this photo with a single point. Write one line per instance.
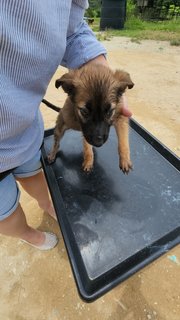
(84, 112)
(109, 113)
(119, 92)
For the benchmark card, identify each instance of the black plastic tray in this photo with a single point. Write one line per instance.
(114, 224)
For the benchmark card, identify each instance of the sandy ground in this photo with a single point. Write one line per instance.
(39, 285)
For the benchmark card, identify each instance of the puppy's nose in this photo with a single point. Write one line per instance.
(99, 138)
(98, 141)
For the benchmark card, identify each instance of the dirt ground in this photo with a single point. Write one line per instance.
(39, 285)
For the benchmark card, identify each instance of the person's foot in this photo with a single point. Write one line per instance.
(41, 240)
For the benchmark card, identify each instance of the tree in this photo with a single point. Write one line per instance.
(158, 9)
(94, 9)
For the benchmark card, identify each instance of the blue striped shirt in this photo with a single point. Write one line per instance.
(36, 37)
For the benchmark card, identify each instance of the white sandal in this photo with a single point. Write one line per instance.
(50, 242)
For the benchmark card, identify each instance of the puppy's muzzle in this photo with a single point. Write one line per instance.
(97, 141)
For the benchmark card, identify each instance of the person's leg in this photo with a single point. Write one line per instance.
(36, 187)
(32, 179)
(15, 225)
(13, 221)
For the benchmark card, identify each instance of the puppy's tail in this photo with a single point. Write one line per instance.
(50, 105)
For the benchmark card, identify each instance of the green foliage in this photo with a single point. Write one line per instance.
(94, 9)
(158, 9)
(130, 8)
(173, 11)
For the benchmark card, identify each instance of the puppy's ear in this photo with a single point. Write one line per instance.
(124, 80)
(66, 81)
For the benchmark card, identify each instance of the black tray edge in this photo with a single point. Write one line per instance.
(63, 223)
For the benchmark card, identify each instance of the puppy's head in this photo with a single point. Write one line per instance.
(96, 93)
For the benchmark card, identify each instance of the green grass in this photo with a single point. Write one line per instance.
(137, 29)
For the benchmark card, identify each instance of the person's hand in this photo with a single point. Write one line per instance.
(125, 110)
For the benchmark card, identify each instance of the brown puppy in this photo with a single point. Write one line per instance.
(93, 105)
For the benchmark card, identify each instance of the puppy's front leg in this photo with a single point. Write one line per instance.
(122, 130)
(59, 130)
(88, 156)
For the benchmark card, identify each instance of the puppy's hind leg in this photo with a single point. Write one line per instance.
(88, 156)
(59, 130)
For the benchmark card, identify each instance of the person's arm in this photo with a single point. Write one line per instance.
(82, 46)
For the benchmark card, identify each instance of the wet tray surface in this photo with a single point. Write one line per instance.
(114, 224)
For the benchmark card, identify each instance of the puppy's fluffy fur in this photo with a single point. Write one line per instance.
(94, 104)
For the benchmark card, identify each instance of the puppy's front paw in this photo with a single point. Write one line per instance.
(125, 165)
(87, 166)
